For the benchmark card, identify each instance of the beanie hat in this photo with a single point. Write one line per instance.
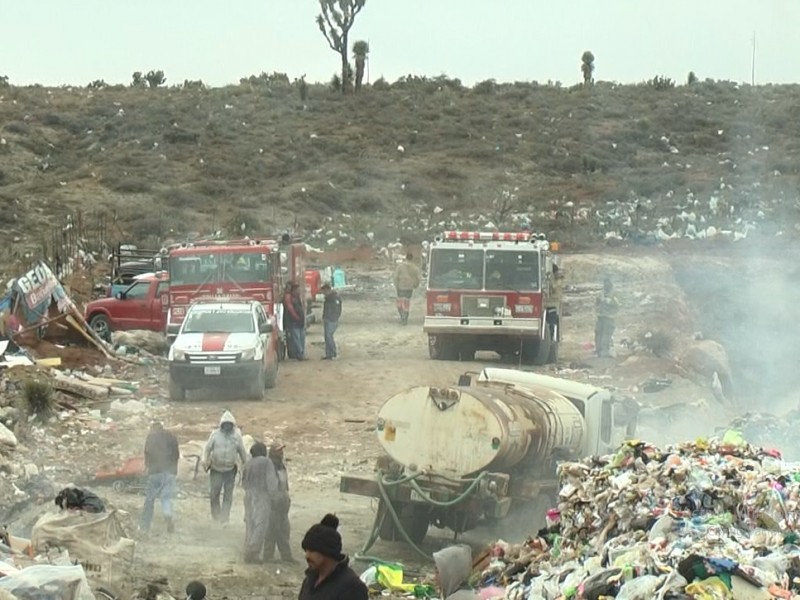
(324, 538)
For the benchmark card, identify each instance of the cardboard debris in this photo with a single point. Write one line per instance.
(708, 519)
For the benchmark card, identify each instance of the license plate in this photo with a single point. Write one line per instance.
(212, 370)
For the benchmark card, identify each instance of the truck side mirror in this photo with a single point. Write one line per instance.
(120, 296)
(265, 327)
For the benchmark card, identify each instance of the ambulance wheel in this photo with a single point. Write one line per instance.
(272, 376)
(257, 386)
(177, 393)
(466, 354)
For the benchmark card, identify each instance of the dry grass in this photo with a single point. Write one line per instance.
(173, 159)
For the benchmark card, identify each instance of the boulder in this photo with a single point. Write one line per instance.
(7, 437)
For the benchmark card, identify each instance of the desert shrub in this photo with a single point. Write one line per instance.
(691, 78)
(381, 84)
(155, 78)
(189, 84)
(243, 223)
(17, 127)
(181, 136)
(335, 83)
(485, 87)
(658, 342)
(661, 83)
(38, 398)
(97, 84)
(302, 88)
(138, 80)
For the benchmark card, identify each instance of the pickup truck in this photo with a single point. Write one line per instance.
(142, 305)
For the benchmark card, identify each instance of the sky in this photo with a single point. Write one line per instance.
(55, 42)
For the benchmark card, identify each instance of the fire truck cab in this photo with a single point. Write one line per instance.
(258, 269)
(492, 291)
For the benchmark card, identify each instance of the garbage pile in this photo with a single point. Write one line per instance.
(710, 519)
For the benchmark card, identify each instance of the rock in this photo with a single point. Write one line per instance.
(705, 358)
(30, 470)
(7, 437)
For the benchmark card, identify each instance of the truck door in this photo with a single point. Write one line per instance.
(134, 307)
(159, 306)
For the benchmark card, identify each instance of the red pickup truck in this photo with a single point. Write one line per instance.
(142, 305)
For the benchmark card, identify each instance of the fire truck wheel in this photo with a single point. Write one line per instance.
(256, 390)
(543, 349)
(177, 393)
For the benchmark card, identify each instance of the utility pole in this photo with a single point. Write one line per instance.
(753, 63)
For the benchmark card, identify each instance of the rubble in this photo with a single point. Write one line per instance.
(706, 519)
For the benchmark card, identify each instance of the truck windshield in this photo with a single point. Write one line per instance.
(219, 322)
(237, 268)
(456, 269)
(512, 270)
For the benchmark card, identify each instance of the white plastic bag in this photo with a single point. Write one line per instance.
(43, 581)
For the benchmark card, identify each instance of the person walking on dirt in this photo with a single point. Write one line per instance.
(279, 501)
(329, 576)
(331, 312)
(161, 454)
(607, 307)
(294, 323)
(406, 280)
(224, 446)
(255, 480)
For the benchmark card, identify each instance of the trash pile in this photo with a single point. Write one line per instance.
(710, 519)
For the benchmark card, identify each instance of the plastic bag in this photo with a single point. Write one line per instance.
(48, 581)
(390, 576)
(641, 588)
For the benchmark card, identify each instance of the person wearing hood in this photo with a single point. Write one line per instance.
(278, 529)
(453, 568)
(256, 475)
(223, 448)
(329, 576)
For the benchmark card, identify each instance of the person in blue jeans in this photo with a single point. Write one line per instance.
(331, 312)
(294, 322)
(161, 454)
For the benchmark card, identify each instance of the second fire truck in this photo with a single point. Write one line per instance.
(492, 291)
(258, 269)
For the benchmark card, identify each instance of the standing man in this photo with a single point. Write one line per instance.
(331, 311)
(224, 446)
(295, 322)
(256, 476)
(607, 307)
(279, 501)
(406, 280)
(329, 576)
(161, 456)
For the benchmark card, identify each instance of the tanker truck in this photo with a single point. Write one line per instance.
(459, 456)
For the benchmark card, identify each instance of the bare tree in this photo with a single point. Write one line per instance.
(587, 68)
(360, 52)
(335, 21)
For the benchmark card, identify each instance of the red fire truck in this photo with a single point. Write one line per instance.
(249, 268)
(491, 291)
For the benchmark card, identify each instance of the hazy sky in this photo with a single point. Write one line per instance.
(76, 41)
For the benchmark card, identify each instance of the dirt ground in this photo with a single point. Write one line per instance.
(324, 412)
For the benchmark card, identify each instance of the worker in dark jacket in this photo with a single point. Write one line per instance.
(294, 320)
(328, 576)
(161, 454)
(331, 312)
(278, 530)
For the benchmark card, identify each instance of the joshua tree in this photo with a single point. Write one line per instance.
(360, 51)
(587, 67)
(335, 21)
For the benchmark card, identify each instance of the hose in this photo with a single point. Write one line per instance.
(389, 509)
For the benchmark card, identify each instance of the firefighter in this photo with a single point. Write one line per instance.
(607, 307)
(406, 280)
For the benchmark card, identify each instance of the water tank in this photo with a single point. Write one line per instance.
(458, 431)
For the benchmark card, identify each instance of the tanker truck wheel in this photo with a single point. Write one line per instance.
(442, 347)
(415, 519)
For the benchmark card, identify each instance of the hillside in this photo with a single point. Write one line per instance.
(150, 164)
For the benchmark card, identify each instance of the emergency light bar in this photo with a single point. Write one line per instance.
(490, 236)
